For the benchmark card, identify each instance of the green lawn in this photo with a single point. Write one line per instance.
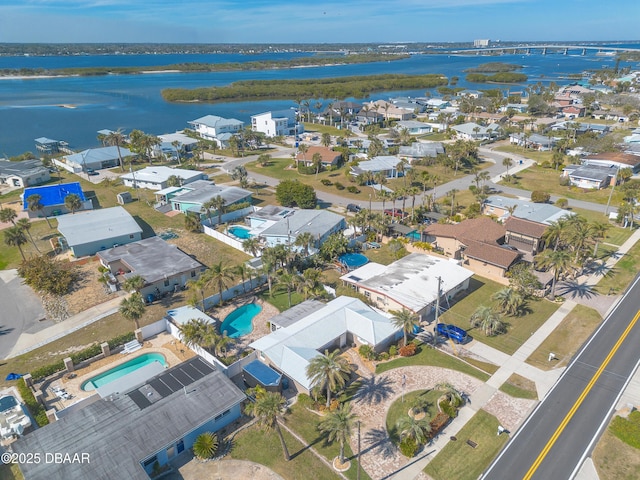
(432, 357)
(280, 299)
(520, 387)
(525, 152)
(623, 273)
(384, 255)
(400, 409)
(320, 129)
(262, 447)
(519, 328)
(459, 461)
(627, 429)
(305, 424)
(40, 232)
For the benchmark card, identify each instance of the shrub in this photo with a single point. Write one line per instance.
(115, 342)
(565, 181)
(36, 410)
(339, 186)
(448, 409)
(438, 423)
(353, 189)
(335, 403)
(408, 447)
(384, 356)
(305, 401)
(367, 352)
(205, 446)
(43, 372)
(562, 203)
(326, 182)
(86, 354)
(408, 350)
(538, 196)
(545, 164)
(393, 350)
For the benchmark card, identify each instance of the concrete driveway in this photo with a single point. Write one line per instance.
(20, 311)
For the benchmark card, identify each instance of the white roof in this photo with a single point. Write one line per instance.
(376, 164)
(161, 174)
(411, 281)
(182, 315)
(95, 225)
(291, 348)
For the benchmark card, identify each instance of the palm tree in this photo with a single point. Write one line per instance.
(25, 225)
(199, 285)
(251, 245)
(35, 205)
(267, 409)
(222, 341)
(205, 446)
(116, 139)
(218, 204)
(417, 430)
(198, 333)
(132, 308)
(242, 270)
(452, 193)
(15, 237)
(598, 232)
(510, 300)
(72, 202)
(303, 149)
(8, 215)
(507, 162)
(326, 139)
(290, 282)
(556, 232)
(406, 320)
(451, 393)
(559, 261)
(305, 241)
(134, 284)
(219, 274)
(178, 146)
(338, 425)
(316, 159)
(330, 371)
(310, 283)
(488, 320)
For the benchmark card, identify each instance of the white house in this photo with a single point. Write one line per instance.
(473, 131)
(94, 158)
(23, 174)
(414, 127)
(420, 150)
(387, 164)
(155, 177)
(274, 124)
(217, 129)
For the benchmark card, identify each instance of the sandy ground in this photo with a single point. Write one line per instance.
(88, 291)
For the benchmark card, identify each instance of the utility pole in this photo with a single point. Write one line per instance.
(358, 474)
(435, 323)
(606, 210)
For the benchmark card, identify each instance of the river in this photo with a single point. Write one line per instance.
(75, 108)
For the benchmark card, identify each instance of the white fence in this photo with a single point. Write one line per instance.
(232, 242)
(234, 291)
(154, 329)
(228, 217)
(66, 166)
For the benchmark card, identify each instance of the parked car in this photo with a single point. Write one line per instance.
(352, 207)
(394, 212)
(456, 334)
(91, 172)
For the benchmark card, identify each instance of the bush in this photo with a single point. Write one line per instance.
(367, 352)
(408, 350)
(115, 342)
(326, 182)
(339, 186)
(43, 372)
(205, 446)
(538, 196)
(305, 401)
(393, 350)
(353, 189)
(438, 423)
(36, 410)
(448, 409)
(335, 403)
(384, 356)
(565, 181)
(562, 203)
(408, 447)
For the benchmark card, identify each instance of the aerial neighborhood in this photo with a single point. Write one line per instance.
(339, 287)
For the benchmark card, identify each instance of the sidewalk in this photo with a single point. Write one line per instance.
(31, 341)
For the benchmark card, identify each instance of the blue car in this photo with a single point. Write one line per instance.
(456, 334)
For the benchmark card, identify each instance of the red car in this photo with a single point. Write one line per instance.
(394, 212)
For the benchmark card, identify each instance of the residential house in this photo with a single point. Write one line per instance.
(614, 159)
(533, 140)
(345, 108)
(478, 242)
(387, 164)
(525, 235)
(409, 283)
(573, 111)
(52, 198)
(310, 330)
(47, 146)
(132, 433)
(192, 197)
(93, 159)
(502, 207)
(156, 177)
(515, 107)
(473, 131)
(414, 127)
(185, 143)
(89, 232)
(487, 118)
(389, 111)
(420, 150)
(369, 117)
(274, 124)
(217, 129)
(163, 266)
(328, 157)
(24, 173)
(470, 93)
(591, 177)
(575, 90)
(438, 103)
(578, 128)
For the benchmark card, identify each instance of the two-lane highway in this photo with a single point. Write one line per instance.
(563, 429)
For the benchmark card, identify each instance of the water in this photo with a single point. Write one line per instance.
(240, 232)
(353, 260)
(239, 322)
(122, 370)
(75, 108)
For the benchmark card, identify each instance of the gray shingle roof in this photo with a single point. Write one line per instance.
(96, 225)
(316, 222)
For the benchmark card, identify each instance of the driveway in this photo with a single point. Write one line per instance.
(20, 311)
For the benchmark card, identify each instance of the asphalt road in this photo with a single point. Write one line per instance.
(570, 419)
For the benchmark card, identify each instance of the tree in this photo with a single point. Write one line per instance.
(329, 371)
(47, 275)
(334, 246)
(338, 426)
(326, 139)
(488, 320)
(15, 237)
(264, 159)
(556, 232)
(199, 286)
(134, 284)
(242, 270)
(310, 284)
(25, 225)
(291, 193)
(178, 147)
(251, 245)
(35, 205)
(522, 278)
(205, 446)
(290, 281)
(267, 409)
(216, 203)
(132, 308)
(510, 301)
(192, 222)
(417, 430)
(305, 241)
(451, 393)
(240, 174)
(198, 332)
(174, 181)
(303, 149)
(559, 261)
(219, 274)
(8, 215)
(316, 161)
(406, 320)
(116, 139)
(72, 202)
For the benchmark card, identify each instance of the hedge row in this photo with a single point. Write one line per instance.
(36, 410)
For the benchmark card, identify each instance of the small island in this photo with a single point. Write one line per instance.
(342, 87)
(494, 67)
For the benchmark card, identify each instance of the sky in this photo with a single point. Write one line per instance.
(343, 21)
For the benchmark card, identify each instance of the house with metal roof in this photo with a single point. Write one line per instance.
(410, 283)
(95, 158)
(502, 207)
(192, 197)
(217, 129)
(89, 232)
(133, 432)
(414, 127)
(474, 131)
(387, 164)
(534, 140)
(163, 266)
(590, 176)
(23, 174)
(341, 322)
(156, 177)
(52, 198)
(420, 150)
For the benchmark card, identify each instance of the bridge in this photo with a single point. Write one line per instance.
(544, 49)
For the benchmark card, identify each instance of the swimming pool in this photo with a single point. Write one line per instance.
(353, 260)
(121, 370)
(240, 232)
(238, 323)
(8, 403)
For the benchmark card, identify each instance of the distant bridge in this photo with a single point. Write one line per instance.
(544, 49)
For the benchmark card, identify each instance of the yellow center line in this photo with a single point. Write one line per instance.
(580, 399)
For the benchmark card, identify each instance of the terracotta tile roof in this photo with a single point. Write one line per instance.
(481, 229)
(328, 155)
(491, 253)
(525, 227)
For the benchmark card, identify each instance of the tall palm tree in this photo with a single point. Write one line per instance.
(290, 281)
(451, 393)
(241, 270)
(73, 202)
(510, 300)
(559, 261)
(132, 308)
(598, 232)
(25, 225)
(267, 409)
(507, 162)
(134, 284)
(219, 275)
(579, 235)
(218, 204)
(329, 371)
(316, 159)
(199, 285)
(15, 237)
(305, 241)
(338, 425)
(34, 204)
(452, 193)
(116, 139)
(556, 232)
(406, 320)
(410, 427)
(251, 245)
(8, 215)
(488, 320)
(178, 146)
(303, 149)
(198, 333)
(310, 283)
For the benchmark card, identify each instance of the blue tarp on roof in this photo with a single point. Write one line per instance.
(53, 194)
(267, 376)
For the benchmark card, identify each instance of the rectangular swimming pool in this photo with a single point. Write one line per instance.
(121, 370)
